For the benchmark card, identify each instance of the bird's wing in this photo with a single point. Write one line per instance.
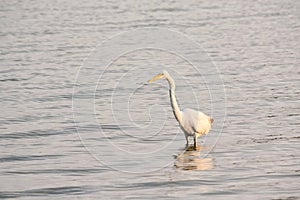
(204, 123)
(196, 121)
(190, 120)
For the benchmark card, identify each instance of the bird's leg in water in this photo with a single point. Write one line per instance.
(187, 141)
(195, 142)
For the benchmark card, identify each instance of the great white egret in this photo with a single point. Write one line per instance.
(193, 123)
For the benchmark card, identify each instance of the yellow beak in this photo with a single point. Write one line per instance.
(158, 76)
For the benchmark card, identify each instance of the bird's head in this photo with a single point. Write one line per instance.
(158, 76)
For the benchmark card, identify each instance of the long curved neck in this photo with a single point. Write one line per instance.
(176, 110)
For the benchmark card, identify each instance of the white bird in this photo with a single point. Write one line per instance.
(193, 123)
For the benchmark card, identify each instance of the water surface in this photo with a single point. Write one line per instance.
(255, 46)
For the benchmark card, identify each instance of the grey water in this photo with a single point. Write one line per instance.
(119, 140)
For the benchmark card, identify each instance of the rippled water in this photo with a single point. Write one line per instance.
(254, 45)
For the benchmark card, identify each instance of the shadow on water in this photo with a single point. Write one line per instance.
(190, 159)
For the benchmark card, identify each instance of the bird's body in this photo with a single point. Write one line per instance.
(193, 123)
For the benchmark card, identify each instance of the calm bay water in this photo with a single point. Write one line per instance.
(254, 45)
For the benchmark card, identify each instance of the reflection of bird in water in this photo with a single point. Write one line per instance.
(190, 160)
(192, 122)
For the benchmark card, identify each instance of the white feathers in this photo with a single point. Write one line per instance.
(192, 122)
